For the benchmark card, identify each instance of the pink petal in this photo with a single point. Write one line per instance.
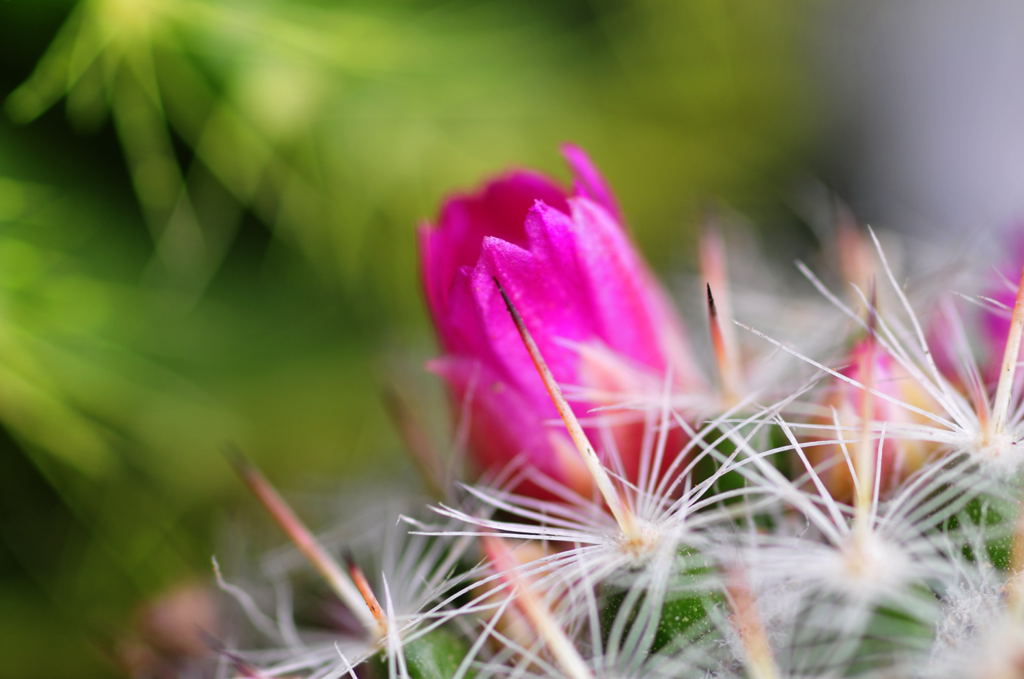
(588, 181)
(631, 313)
(499, 210)
(504, 424)
(544, 303)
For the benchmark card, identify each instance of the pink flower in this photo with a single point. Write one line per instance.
(995, 321)
(599, 317)
(871, 365)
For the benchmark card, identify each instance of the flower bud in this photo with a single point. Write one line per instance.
(600, 320)
(874, 368)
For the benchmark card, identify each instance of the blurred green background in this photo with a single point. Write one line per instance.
(207, 213)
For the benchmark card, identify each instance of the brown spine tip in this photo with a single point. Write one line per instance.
(616, 505)
(363, 585)
(508, 302)
(304, 540)
(872, 311)
(712, 310)
(417, 442)
(238, 460)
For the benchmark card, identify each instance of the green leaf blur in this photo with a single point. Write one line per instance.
(207, 213)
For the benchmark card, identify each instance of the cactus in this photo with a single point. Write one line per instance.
(624, 515)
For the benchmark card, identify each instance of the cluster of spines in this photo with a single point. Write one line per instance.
(732, 560)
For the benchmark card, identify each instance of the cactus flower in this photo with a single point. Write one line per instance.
(870, 365)
(995, 322)
(601, 321)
